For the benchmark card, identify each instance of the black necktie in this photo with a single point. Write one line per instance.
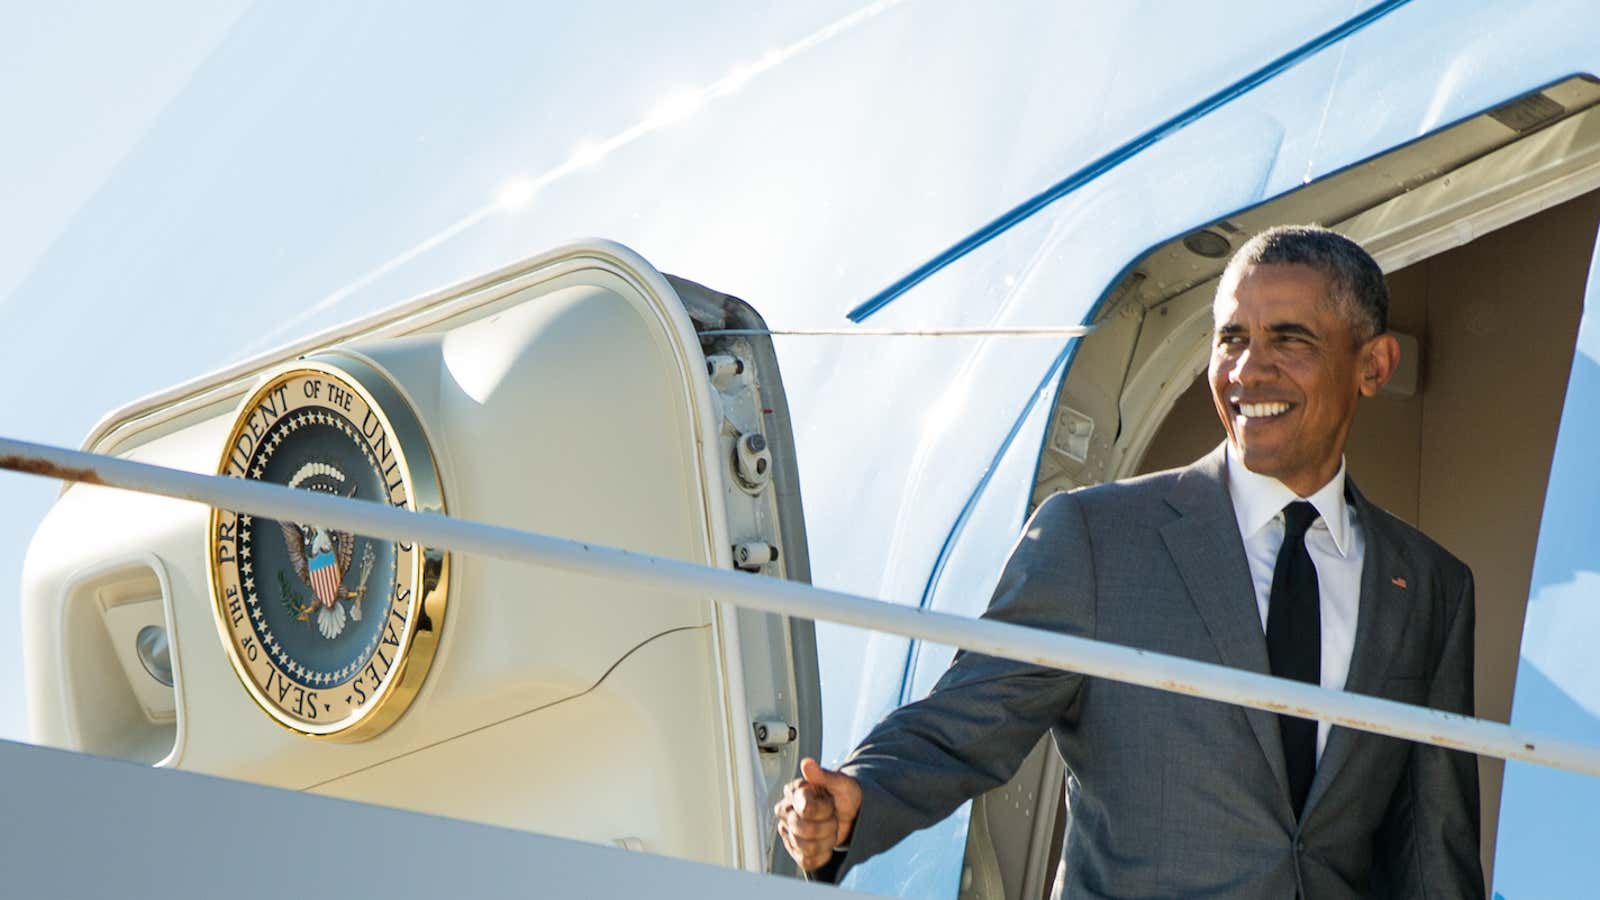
(1294, 641)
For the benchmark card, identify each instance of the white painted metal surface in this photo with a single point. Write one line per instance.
(101, 828)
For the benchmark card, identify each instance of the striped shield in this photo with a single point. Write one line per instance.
(324, 577)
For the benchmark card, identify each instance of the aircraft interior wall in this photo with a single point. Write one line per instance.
(1466, 458)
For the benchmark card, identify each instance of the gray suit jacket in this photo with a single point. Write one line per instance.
(1173, 796)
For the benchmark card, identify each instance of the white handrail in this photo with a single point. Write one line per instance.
(1061, 651)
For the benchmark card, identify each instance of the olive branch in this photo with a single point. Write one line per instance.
(291, 597)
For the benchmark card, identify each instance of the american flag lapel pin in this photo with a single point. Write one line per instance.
(1398, 582)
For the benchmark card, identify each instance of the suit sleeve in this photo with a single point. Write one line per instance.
(984, 715)
(1428, 844)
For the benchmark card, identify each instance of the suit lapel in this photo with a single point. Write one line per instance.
(1385, 606)
(1205, 544)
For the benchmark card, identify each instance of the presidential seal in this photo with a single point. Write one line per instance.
(330, 632)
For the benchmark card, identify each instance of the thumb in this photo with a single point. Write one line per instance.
(813, 772)
(846, 791)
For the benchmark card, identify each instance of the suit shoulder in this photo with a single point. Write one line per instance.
(1424, 550)
(1124, 496)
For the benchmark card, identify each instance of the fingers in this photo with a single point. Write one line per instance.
(807, 823)
(808, 853)
(813, 803)
(805, 803)
(803, 829)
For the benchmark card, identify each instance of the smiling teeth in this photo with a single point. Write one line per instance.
(1262, 410)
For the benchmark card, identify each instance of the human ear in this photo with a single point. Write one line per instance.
(1380, 357)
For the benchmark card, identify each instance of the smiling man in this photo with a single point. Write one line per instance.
(1261, 555)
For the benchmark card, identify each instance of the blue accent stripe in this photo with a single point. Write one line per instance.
(1116, 157)
(1063, 361)
(1051, 374)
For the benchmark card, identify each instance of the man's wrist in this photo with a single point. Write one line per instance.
(828, 872)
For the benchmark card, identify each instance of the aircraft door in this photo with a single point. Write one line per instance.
(580, 394)
(1547, 815)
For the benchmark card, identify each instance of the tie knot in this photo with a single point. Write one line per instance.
(1297, 517)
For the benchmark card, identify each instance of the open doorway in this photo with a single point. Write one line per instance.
(1466, 457)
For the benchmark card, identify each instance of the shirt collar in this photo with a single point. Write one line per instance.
(1258, 498)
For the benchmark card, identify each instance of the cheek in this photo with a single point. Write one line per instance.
(1218, 385)
(1217, 370)
(1328, 398)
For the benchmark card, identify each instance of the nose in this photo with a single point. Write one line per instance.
(1252, 366)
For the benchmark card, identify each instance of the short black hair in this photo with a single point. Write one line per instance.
(1355, 281)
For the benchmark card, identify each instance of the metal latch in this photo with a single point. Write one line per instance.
(723, 368)
(752, 462)
(752, 555)
(774, 734)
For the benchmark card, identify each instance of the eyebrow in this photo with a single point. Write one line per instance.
(1294, 328)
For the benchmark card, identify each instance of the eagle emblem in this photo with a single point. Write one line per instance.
(321, 557)
(331, 632)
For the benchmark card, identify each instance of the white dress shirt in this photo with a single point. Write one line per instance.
(1337, 547)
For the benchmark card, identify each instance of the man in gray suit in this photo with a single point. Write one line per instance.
(1261, 555)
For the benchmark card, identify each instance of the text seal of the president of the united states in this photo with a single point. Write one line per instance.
(331, 632)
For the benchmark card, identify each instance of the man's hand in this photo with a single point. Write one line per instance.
(816, 813)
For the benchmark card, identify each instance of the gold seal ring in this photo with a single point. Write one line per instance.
(331, 633)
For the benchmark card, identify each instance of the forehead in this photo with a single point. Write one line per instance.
(1276, 292)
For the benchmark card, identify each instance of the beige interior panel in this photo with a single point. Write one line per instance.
(1467, 457)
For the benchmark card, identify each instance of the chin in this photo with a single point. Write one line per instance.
(1259, 461)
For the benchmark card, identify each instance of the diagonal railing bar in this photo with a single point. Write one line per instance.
(1047, 331)
(1061, 651)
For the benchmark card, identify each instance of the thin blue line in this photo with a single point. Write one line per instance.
(1116, 157)
(972, 503)
(1062, 361)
